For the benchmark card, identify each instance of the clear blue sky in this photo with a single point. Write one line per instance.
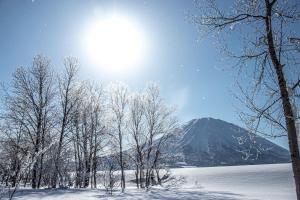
(190, 73)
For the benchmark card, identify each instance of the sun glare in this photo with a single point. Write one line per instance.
(115, 43)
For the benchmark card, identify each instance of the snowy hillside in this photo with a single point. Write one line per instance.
(213, 142)
(259, 182)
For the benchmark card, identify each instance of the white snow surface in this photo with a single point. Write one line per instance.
(252, 182)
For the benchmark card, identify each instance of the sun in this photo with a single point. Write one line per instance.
(115, 43)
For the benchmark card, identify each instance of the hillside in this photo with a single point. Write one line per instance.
(213, 142)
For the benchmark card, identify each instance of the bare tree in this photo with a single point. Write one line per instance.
(266, 31)
(13, 155)
(49, 132)
(67, 101)
(160, 122)
(136, 125)
(88, 132)
(118, 100)
(29, 103)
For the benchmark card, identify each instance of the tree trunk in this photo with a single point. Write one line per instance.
(137, 177)
(42, 157)
(142, 178)
(34, 175)
(147, 181)
(41, 171)
(15, 170)
(35, 165)
(26, 179)
(287, 108)
(158, 176)
(95, 171)
(121, 161)
(57, 157)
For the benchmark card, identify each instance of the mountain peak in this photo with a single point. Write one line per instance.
(206, 119)
(212, 142)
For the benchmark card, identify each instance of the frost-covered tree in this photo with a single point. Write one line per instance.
(136, 126)
(266, 44)
(160, 123)
(55, 130)
(118, 102)
(29, 109)
(88, 134)
(150, 123)
(67, 100)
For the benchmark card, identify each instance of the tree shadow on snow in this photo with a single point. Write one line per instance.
(47, 192)
(167, 194)
(194, 195)
(153, 193)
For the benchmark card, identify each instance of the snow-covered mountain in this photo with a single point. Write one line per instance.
(213, 142)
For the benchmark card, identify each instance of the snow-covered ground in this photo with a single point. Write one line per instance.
(256, 182)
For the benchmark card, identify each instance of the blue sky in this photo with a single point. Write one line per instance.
(190, 72)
